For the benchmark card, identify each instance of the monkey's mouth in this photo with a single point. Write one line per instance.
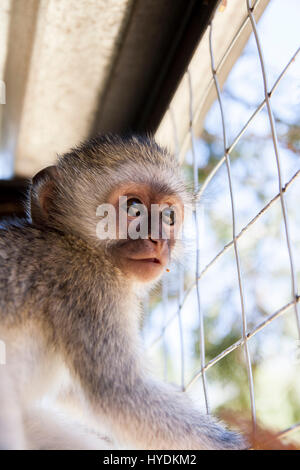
(149, 260)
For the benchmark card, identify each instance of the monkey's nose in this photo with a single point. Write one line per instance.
(159, 242)
(157, 239)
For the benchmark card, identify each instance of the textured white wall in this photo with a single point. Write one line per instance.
(55, 78)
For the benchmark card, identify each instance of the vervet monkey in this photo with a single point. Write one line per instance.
(69, 305)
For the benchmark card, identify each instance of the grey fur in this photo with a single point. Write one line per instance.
(56, 274)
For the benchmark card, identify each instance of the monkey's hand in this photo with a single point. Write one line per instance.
(154, 416)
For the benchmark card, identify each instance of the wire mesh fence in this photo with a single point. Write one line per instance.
(183, 290)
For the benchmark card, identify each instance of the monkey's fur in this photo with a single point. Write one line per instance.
(69, 314)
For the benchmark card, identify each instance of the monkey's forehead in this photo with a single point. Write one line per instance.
(160, 179)
(108, 151)
(108, 163)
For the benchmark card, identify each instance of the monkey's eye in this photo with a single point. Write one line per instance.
(168, 216)
(134, 207)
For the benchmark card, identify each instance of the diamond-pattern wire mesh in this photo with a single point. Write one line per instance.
(283, 187)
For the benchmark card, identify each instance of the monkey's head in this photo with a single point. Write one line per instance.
(125, 196)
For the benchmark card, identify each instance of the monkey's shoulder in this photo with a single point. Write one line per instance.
(19, 266)
(38, 263)
(19, 240)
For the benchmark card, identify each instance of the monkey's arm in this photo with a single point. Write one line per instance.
(152, 415)
(142, 412)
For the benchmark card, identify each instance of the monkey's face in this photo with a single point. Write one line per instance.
(124, 197)
(148, 222)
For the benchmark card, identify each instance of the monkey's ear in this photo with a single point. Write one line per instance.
(42, 194)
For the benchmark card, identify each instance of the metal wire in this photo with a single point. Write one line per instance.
(243, 130)
(241, 341)
(180, 268)
(290, 430)
(226, 248)
(196, 219)
(236, 252)
(235, 39)
(246, 334)
(278, 164)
